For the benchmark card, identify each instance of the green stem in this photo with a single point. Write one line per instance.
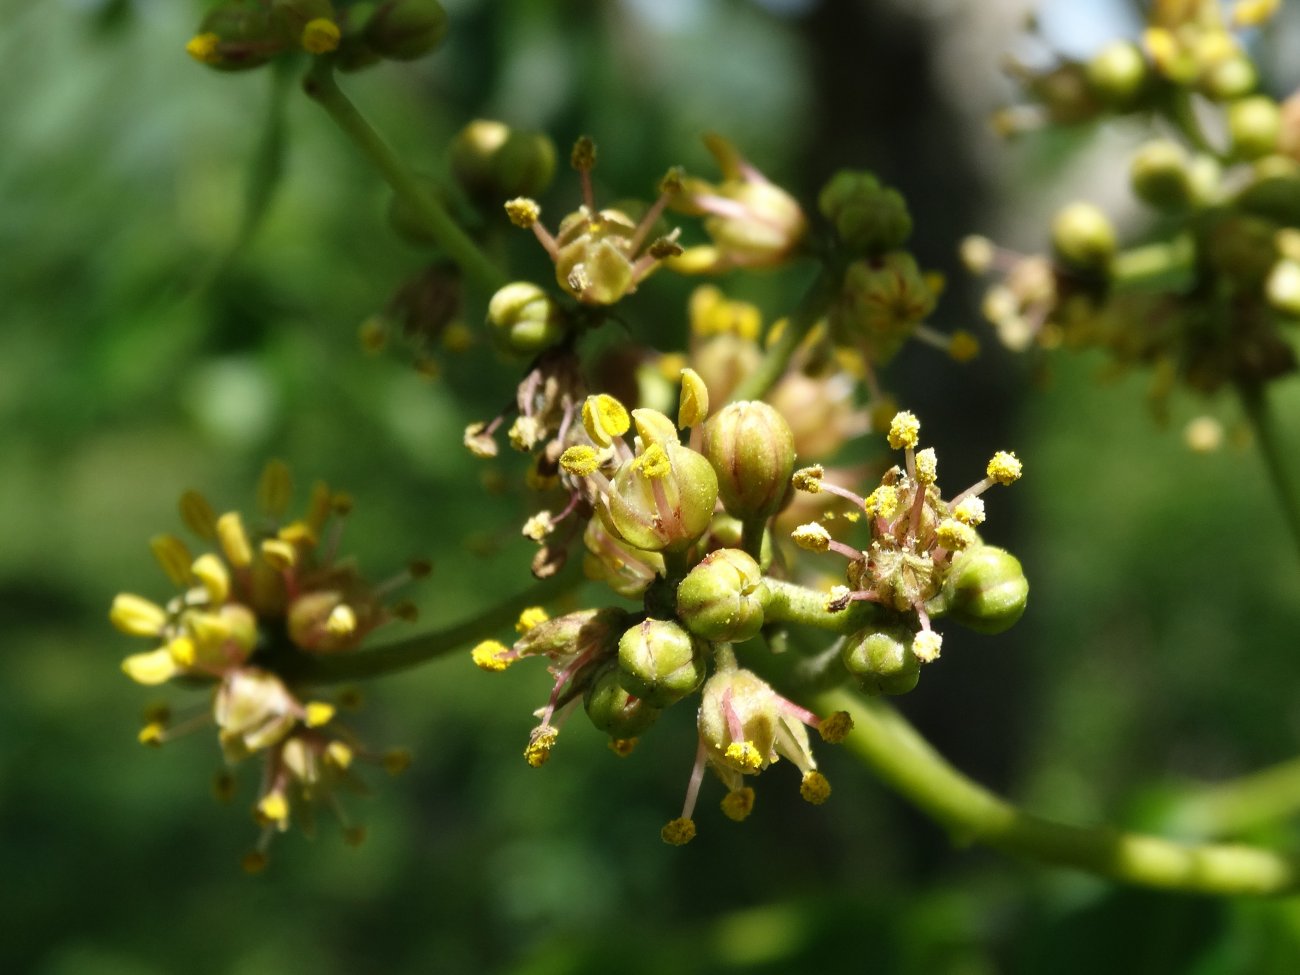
(1267, 796)
(321, 86)
(1183, 115)
(812, 306)
(907, 763)
(1161, 265)
(416, 650)
(1261, 421)
(791, 603)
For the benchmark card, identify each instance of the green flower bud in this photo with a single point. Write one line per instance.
(1083, 237)
(1283, 287)
(525, 319)
(751, 449)
(1118, 74)
(1232, 77)
(661, 500)
(869, 218)
(1254, 126)
(882, 660)
(882, 302)
(293, 16)
(985, 589)
(1273, 191)
(660, 662)
(1160, 176)
(574, 634)
(721, 598)
(1241, 248)
(237, 35)
(727, 532)
(403, 30)
(612, 709)
(494, 163)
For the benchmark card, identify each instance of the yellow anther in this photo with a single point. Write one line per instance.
(214, 576)
(529, 618)
(150, 668)
(274, 808)
(540, 743)
(319, 506)
(1252, 13)
(204, 48)
(745, 754)
(280, 553)
(396, 761)
(904, 430)
(317, 713)
(198, 515)
(174, 558)
(137, 616)
(927, 466)
(523, 212)
(488, 655)
(274, 488)
(926, 645)
(182, 651)
(837, 600)
(622, 747)
(738, 804)
(836, 727)
(580, 460)
(342, 620)
(342, 503)
(808, 479)
(970, 511)
(812, 536)
(320, 36)
(583, 157)
(693, 406)
(977, 253)
(814, 787)
(373, 334)
(954, 535)
(338, 754)
(234, 540)
(604, 418)
(208, 630)
(883, 502)
(963, 346)
(253, 862)
(152, 733)
(654, 462)
(1004, 468)
(679, 832)
(538, 526)
(478, 441)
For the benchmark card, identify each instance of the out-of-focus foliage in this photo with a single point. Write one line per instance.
(1158, 645)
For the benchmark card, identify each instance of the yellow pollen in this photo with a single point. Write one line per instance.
(174, 558)
(579, 460)
(745, 754)
(198, 515)
(836, 727)
(320, 36)
(604, 418)
(396, 761)
(152, 733)
(317, 713)
(738, 804)
(927, 466)
(1004, 468)
(926, 645)
(486, 656)
(253, 862)
(622, 747)
(338, 754)
(882, 502)
(214, 576)
(182, 652)
(204, 48)
(970, 511)
(280, 555)
(963, 347)
(234, 540)
(812, 536)
(654, 462)
(523, 212)
(342, 620)
(274, 808)
(137, 616)
(529, 618)
(814, 787)
(539, 747)
(808, 479)
(679, 832)
(954, 535)
(904, 430)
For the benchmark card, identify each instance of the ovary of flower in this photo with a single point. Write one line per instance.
(491, 655)
(926, 646)
(604, 418)
(969, 511)
(1004, 468)
(904, 430)
(137, 616)
(813, 536)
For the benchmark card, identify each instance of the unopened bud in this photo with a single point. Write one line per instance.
(721, 598)
(1159, 174)
(1117, 74)
(660, 662)
(403, 30)
(985, 589)
(612, 709)
(1254, 127)
(574, 633)
(882, 660)
(494, 162)
(525, 319)
(1083, 237)
(869, 218)
(751, 449)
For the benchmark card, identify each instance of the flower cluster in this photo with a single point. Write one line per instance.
(253, 611)
(923, 559)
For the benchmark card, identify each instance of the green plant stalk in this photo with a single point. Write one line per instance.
(1232, 807)
(1158, 266)
(790, 603)
(812, 306)
(1254, 402)
(907, 763)
(406, 654)
(321, 86)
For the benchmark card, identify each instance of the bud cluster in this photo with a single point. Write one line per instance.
(256, 603)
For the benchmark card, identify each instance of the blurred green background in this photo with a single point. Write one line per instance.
(1158, 651)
